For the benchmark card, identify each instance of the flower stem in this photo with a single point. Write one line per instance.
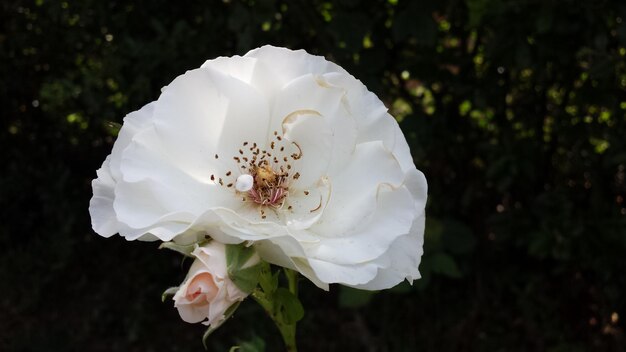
(289, 333)
(268, 301)
(292, 279)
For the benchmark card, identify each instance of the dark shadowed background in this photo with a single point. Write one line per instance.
(514, 109)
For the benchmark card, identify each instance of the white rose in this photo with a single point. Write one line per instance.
(339, 199)
(207, 292)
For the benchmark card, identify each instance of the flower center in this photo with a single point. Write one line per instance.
(264, 174)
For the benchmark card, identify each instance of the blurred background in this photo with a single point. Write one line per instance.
(515, 110)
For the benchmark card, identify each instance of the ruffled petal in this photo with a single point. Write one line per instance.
(335, 134)
(213, 257)
(371, 118)
(274, 252)
(303, 208)
(134, 122)
(297, 127)
(346, 274)
(103, 219)
(392, 218)
(404, 257)
(286, 65)
(205, 113)
(103, 216)
(355, 188)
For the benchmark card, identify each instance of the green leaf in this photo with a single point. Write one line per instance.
(354, 298)
(229, 312)
(169, 292)
(268, 280)
(246, 279)
(256, 344)
(444, 264)
(238, 257)
(182, 249)
(287, 306)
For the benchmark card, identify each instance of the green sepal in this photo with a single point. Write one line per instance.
(287, 306)
(182, 249)
(281, 304)
(169, 292)
(237, 255)
(256, 344)
(244, 277)
(268, 280)
(229, 312)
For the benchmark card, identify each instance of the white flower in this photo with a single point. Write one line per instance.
(277, 147)
(207, 292)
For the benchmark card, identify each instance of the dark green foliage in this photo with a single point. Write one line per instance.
(514, 109)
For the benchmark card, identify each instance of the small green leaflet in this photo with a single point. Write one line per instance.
(237, 256)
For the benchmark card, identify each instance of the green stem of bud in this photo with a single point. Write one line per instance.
(292, 279)
(270, 301)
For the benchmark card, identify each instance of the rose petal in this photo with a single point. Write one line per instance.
(297, 128)
(274, 252)
(202, 286)
(335, 135)
(404, 255)
(203, 113)
(371, 118)
(213, 257)
(392, 218)
(354, 189)
(285, 65)
(133, 123)
(346, 274)
(305, 207)
(103, 218)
